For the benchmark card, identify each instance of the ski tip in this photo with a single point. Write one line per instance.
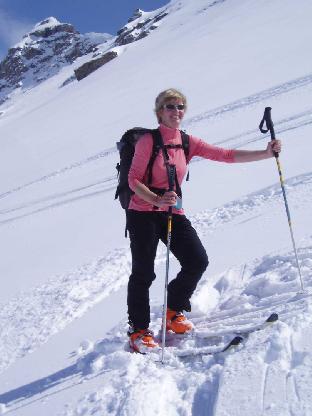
(273, 317)
(235, 341)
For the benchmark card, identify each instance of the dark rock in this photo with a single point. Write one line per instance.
(91, 66)
(30, 52)
(160, 16)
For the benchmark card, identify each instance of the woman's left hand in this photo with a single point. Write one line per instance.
(274, 146)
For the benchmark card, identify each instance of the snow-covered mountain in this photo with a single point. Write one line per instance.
(51, 45)
(42, 52)
(65, 262)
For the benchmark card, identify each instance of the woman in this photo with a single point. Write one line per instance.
(147, 220)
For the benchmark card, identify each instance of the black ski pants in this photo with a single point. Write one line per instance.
(145, 230)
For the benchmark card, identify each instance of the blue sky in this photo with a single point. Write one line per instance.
(19, 16)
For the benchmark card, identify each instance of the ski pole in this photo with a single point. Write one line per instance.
(171, 177)
(270, 127)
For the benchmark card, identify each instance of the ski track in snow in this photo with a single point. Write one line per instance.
(293, 122)
(300, 185)
(252, 99)
(63, 171)
(29, 319)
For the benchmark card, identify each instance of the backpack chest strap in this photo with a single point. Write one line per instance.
(173, 146)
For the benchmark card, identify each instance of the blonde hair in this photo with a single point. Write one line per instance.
(165, 96)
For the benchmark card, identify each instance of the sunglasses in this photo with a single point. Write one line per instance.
(172, 107)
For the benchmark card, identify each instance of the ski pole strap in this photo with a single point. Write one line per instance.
(267, 119)
(171, 170)
(172, 176)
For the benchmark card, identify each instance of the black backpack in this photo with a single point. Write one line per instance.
(126, 148)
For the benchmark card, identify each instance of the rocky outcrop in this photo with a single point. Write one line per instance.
(91, 66)
(139, 26)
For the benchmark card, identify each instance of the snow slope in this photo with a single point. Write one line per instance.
(65, 262)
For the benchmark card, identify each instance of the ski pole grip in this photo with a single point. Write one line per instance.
(267, 119)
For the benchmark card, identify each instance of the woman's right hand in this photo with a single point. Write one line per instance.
(167, 199)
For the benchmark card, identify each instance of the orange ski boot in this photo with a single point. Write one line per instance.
(142, 340)
(177, 322)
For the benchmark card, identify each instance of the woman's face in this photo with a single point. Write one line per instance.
(171, 113)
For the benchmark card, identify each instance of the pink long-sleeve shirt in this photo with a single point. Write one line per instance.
(142, 155)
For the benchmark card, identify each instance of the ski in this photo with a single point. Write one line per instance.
(233, 342)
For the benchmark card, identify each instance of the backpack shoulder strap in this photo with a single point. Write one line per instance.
(157, 140)
(185, 143)
(158, 144)
(186, 147)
